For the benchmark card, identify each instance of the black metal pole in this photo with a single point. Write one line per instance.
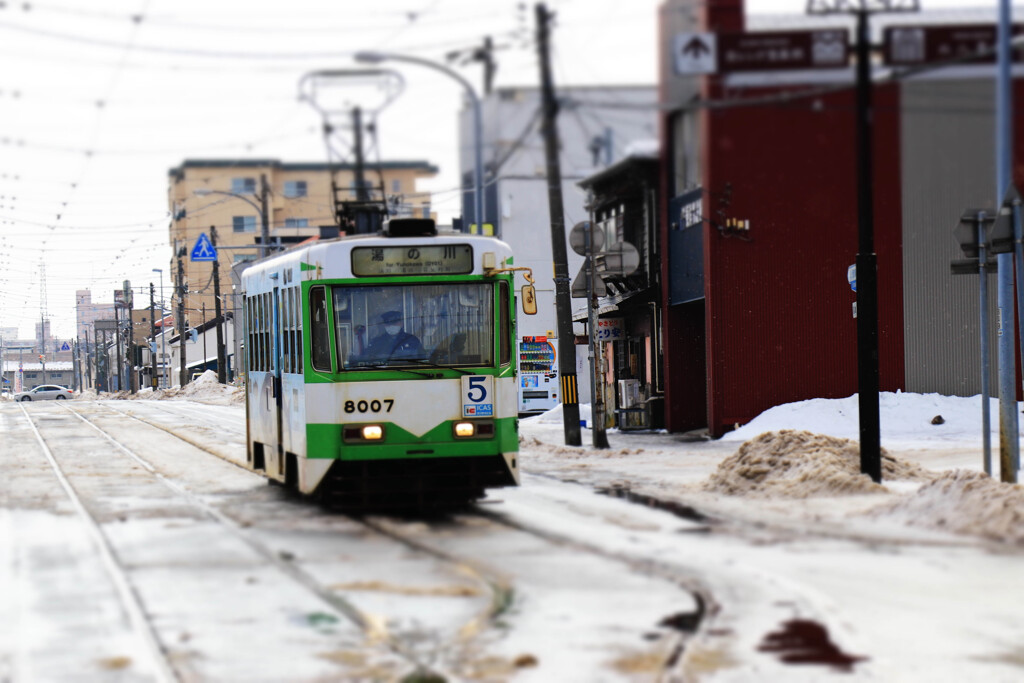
(222, 370)
(152, 334)
(867, 267)
(182, 368)
(563, 304)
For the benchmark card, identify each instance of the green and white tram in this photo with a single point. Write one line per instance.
(380, 370)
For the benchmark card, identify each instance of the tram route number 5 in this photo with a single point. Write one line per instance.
(477, 396)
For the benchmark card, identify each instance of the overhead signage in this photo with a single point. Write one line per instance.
(203, 250)
(770, 51)
(694, 53)
(916, 45)
(706, 53)
(449, 259)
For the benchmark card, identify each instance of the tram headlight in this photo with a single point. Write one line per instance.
(465, 429)
(480, 429)
(363, 433)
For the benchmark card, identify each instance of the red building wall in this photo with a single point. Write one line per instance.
(779, 325)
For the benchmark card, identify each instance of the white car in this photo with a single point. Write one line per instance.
(44, 392)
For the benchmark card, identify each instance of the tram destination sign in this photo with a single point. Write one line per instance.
(427, 259)
(915, 45)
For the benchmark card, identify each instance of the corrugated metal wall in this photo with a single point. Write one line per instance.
(948, 153)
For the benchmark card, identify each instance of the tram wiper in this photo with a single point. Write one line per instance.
(385, 366)
(441, 367)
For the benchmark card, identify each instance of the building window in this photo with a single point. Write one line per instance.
(296, 222)
(396, 185)
(295, 188)
(243, 185)
(243, 223)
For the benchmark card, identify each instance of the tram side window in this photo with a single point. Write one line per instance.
(319, 330)
(264, 322)
(298, 331)
(504, 321)
(268, 320)
(247, 315)
(296, 334)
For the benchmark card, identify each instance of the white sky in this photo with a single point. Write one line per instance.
(96, 107)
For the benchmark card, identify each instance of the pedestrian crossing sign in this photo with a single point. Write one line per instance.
(65, 347)
(203, 250)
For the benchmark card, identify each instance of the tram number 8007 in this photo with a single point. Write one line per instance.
(373, 406)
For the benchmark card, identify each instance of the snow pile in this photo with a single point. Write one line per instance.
(964, 502)
(798, 464)
(554, 416)
(906, 420)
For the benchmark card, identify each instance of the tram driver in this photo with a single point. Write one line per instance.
(394, 343)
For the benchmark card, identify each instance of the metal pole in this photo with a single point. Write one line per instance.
(599, 437)
(129, 355)
(264, 217)
(563, 304)
(867, 267)
(222, 362)
(478, 172)
(182, 366)
(163, 333)
(152, 335)
(1018, 250)
(117, 336)
(986, 421)
(1009, 435)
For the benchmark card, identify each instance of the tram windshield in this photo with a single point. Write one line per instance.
(449, 325)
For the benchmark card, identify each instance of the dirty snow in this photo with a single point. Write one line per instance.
(798, 464)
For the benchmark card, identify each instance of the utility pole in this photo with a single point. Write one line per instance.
(265, 218)
(357, 136)
(88, 358)
(117, 342)
(485, 54)
(867, 261)
(182, 369)
(597, 415)
(130, 342)
(222, 370)
(152, 334)
(563, 304)
(1009, 435)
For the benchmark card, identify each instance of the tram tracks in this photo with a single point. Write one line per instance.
(453, 654)
(161, 667)
(377, 629)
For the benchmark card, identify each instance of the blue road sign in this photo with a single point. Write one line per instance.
(203, 251)
(65, 347)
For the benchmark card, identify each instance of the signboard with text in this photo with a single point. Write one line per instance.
(916, 45)
(769, 51)
(610, 329)
(695, 54)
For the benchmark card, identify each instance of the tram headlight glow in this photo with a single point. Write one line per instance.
(373, 432)
(465, 429)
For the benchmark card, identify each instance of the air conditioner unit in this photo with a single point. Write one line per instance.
(629, 392)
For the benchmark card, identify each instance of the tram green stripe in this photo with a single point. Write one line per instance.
(324, 441)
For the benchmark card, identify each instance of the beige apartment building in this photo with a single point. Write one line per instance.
(296, 200)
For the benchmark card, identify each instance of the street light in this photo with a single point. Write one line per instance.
(163, 328)
(368, 57)
(262, 211)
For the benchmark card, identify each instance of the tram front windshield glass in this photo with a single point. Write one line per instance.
(450, 324)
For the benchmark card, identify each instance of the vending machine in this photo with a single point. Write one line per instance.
(538, 375)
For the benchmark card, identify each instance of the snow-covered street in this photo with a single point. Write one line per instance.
(665, 557)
